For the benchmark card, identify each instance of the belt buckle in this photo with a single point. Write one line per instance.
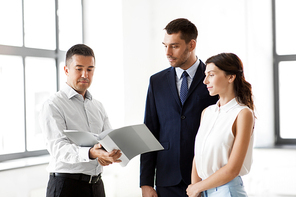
(94, 179)
(90, 179)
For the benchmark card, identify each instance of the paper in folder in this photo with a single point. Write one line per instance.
(131, 140)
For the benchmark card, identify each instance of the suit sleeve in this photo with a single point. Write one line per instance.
(148, 160)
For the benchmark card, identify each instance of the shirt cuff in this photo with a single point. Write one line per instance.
(84, 154)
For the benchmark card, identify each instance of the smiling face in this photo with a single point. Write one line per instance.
(178, 52)
(217, 81)
(79, 71)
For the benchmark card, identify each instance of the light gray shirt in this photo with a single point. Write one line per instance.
(191, 72)
(68, 110)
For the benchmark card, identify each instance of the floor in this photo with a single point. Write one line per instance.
(272, 175)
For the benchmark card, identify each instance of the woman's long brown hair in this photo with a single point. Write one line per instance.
(231, 64)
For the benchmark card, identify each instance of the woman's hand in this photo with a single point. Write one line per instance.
(192, 190)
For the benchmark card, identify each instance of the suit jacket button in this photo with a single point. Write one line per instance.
(183, 117)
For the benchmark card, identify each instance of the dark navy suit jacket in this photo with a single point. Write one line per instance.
(174, 126)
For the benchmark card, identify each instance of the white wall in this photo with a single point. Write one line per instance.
(127, 38)
(260, 71)
(103, 25)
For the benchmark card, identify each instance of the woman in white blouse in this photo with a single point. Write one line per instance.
(224, 142)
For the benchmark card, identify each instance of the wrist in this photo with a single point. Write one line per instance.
(90, 154)
(198, 189)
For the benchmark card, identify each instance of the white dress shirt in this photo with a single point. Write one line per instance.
(191, 72)
(68, 110)
(214, 140)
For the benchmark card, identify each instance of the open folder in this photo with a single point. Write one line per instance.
(131, 140)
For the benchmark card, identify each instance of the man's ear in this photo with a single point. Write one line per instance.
(66, 69)
(192, 45)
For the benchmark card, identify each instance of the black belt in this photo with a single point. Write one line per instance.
(81, 177)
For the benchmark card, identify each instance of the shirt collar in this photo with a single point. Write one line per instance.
(70, 92)
(228, 106)
(191, 71)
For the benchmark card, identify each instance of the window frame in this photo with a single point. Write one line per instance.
(24, 52)
(276, 61)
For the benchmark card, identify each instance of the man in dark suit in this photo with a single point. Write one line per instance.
(173, 114)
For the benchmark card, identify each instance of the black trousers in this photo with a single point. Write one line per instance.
(173, 191)
(66, 187)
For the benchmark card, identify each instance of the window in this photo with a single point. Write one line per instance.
(32, 50)
(284, 52)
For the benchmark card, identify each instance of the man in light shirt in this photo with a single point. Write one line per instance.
(76, 171)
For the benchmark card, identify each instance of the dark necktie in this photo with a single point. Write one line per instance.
(184, 87)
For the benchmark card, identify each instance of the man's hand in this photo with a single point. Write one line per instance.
(104, 158)
(148, 191)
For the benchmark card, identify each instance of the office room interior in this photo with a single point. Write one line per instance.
(126, 36)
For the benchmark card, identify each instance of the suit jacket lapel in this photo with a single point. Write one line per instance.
(171, 77)
(198, 78)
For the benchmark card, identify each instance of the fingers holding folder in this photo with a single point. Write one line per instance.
(104, 158)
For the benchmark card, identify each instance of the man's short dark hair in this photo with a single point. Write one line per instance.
(188, 29)
(79, 49)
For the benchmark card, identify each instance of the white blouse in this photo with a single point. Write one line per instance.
(214, 140)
